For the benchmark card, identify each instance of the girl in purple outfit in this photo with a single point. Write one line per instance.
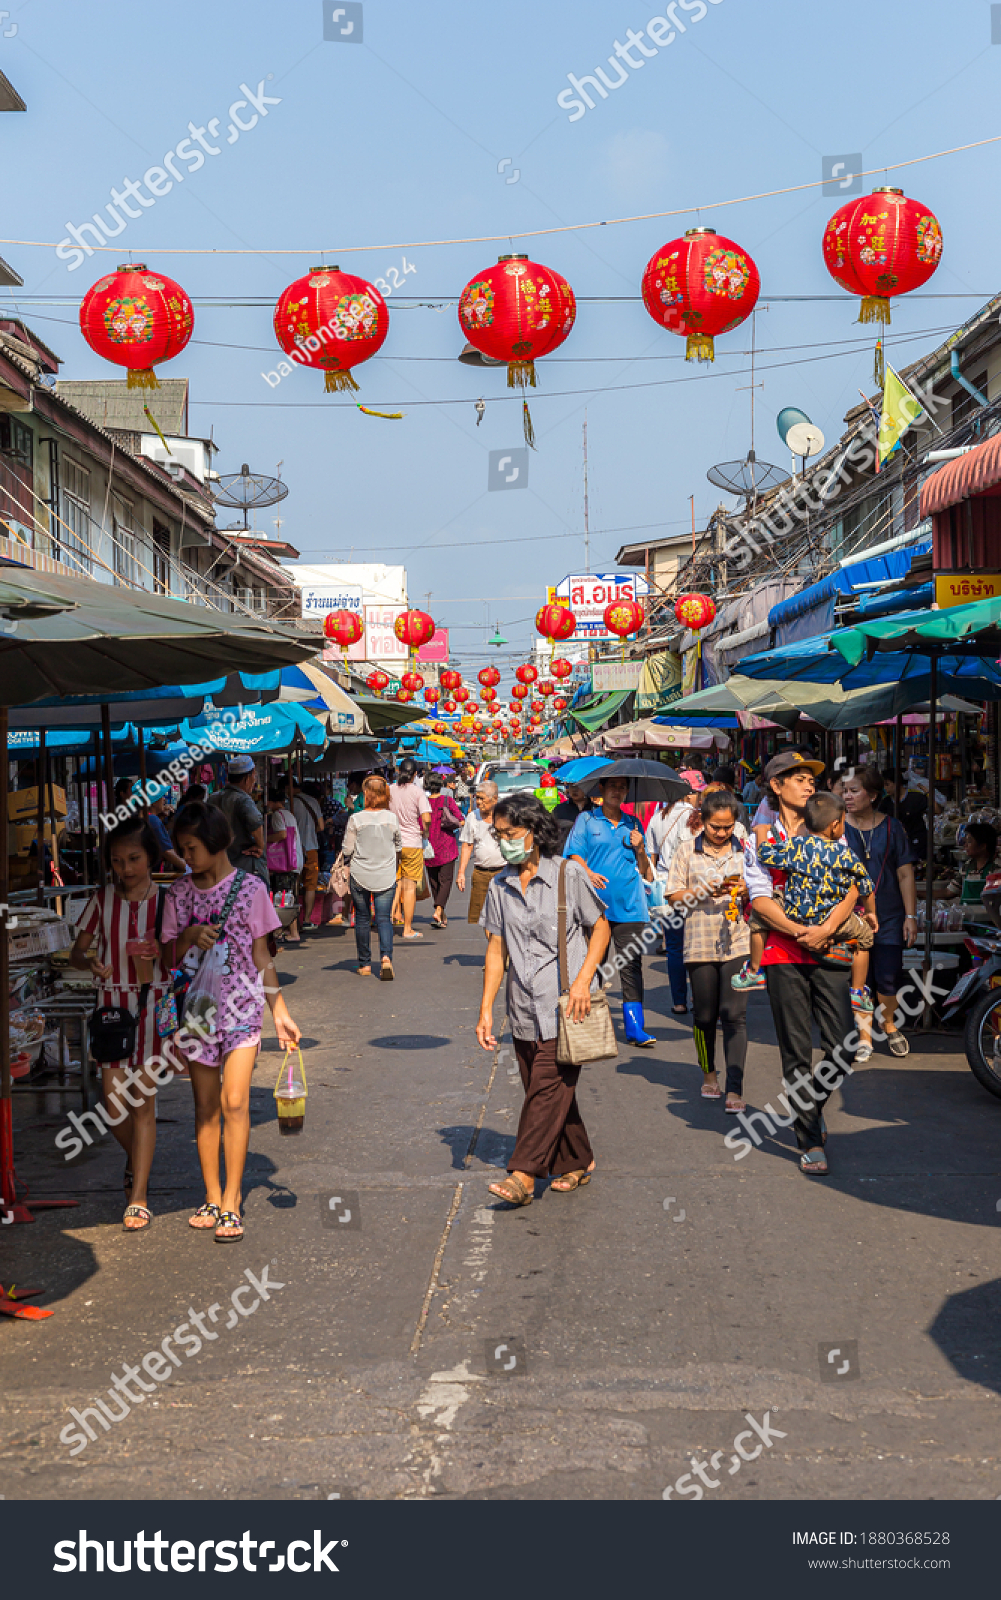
(217, 906)
(444, 843)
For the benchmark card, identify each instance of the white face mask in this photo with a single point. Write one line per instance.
(514, 851)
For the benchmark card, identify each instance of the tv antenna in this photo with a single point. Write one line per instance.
(248, 491)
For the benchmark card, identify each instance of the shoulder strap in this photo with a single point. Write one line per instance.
(231, 897)
(158, 925)
(561, 928)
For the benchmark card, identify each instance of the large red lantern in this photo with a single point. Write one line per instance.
(332, 321)
(694, 611)
(431, 695)
(701, 286)
(412, 681)
(881, 245)
(488, 677)
(414, 629)
(449, 706)
(137, 318)
(377, 680)
(560, 704)
(526, 674)
(516, 312)
(555, 622)
(624, 617)
(449, 679)
(461, 694)
(560, 668)
(344, 628)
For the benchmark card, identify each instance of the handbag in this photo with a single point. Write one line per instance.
(594, 1038)
(112, 1029)
(340, 877)
(448, 822)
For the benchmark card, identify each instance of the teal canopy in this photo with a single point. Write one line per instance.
(256, 730)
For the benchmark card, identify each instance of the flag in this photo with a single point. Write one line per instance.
(900, 411)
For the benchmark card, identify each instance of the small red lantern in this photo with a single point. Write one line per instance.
(560, 668)
(516, 312)
(431, 694)
(449, 679)
(449, 706)
(414, 629)
(488, 695)
(404, 696)
(623, 617)
(515, 706)
(137, 318)
(461, 694)
(488, 677)
(519, 690)
(702, 285)
(412, 681)
(560, 704)
(377, 680)
(555, 622)
(547, 781)
(477, 726)
(333, 321)
(546, 688)
(438, 727)
(345, 628)
(694, 611)
(526, 674)
(881, 245)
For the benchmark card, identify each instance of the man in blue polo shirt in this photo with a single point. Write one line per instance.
(610, 848)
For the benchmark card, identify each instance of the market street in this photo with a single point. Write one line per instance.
(654, 1310)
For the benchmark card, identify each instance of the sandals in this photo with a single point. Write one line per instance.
(567, 1182)
(738, 1105)
(513, 1191)
(364, 972)
(813, 1163)
(205, 1217)
(386, 972)
(709, 1093)
(137, 1211)
(230, 1220)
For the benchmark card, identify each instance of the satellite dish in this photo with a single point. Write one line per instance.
(787, 418)
(750, 477)
(805, 439)
(247, 491)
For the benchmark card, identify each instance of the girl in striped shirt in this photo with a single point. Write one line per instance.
(120, 924)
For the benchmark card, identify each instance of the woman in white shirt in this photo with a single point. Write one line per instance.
(373, 847)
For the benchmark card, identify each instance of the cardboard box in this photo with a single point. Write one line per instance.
(22, 835)
(23, 803)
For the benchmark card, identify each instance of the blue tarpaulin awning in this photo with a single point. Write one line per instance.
(811, 612)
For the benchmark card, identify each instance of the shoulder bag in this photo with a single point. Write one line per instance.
(594, 1038)
(112, 1030)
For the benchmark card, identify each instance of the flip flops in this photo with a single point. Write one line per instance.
(137, 1211)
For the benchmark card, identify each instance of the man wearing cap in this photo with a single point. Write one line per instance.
(802, 989)
(247, 850)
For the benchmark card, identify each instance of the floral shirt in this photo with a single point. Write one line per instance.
(820, 873)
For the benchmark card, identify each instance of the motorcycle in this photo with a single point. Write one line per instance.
(978, 994)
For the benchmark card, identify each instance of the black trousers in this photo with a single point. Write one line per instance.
(440, 879)
(628, 943)
(799, 995)
(715, 1000)
(552, 1138)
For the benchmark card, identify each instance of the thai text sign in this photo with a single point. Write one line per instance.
(588, 594)
(320, 601)
(962, 588)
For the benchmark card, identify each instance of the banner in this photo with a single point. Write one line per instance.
(588, 594)
(616, 674)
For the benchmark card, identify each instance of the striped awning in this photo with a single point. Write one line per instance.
(975, 473)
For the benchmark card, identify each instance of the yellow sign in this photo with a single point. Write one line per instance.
(962, 588)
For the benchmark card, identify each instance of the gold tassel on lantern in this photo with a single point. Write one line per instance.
(519, 373)
(700, 347)
(142, 378)
(335, 381)
(874, 308)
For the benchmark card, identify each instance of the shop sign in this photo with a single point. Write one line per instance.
(963, 588)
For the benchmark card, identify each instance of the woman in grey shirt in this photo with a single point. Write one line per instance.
(520, 918)
(373, 846)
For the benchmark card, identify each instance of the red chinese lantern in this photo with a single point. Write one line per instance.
(487, 695)
(404, 696)
(412, 681)
(137, 318)
(701, 286)
(519, 691)
(477, 726)
(560, 704)
(555, 622)
(345, 628)
(694, 611)
(516, 312)
(450, 679)
(431, 695)
(332, 321)
(488, 677)
(881, 245)
(414, 629)
(438, 727)
(547, 781)
(515, 706)
(526, 674)
(461, 694)
(622, 618)
(449, 706)
(377, 680)
(546, 688)
(560, 668)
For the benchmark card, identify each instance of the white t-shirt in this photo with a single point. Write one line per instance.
(307, 815)
(486, 851)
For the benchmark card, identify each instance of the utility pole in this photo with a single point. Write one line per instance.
(587, 526)
(692, 499)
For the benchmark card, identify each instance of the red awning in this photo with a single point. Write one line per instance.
(968, 475)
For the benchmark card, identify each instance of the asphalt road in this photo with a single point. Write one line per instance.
(648, 1316)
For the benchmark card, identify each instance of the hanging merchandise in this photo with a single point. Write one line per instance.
(517, 312)
(377, 681)
(488, 677)
(412, 681)
(882, 245)
(450, 679)
(700, 286)
(414, 629)
(561, 669)
(694, 611)
(344, 628)
(332, 321)
(137, 319)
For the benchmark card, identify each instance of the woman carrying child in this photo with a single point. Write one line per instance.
(217, 908)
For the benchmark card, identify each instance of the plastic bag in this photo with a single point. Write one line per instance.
(204, 997)
(290, 1093)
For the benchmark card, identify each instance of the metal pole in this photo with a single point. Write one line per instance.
(142, 771)
(55, 842)
(898, 755)
(101, 871)
(40, 766)
(930, 863)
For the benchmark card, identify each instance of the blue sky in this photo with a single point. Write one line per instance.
(397, 141)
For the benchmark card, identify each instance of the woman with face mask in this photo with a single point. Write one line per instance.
(520, 919)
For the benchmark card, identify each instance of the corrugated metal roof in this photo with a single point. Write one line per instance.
(971, 474)
(110, 403)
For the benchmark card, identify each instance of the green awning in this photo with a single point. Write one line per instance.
(383, 714)
(908, 629)
(594, 712)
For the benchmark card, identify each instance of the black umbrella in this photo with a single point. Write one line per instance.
(648, 780)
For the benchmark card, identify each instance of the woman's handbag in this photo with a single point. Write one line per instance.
(112, 1030)
(340, 877)
(594, 1038)
(449, 822)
